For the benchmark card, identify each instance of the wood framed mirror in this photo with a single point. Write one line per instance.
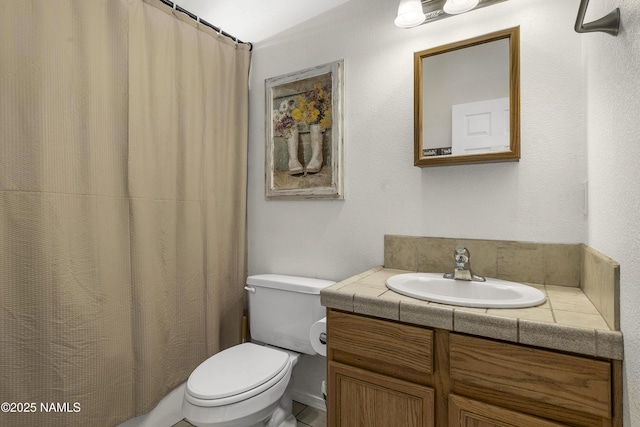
(467, 101)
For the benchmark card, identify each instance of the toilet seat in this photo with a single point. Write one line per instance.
(235, 374)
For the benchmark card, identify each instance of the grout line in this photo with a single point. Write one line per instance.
(453, 320)
(553, 313)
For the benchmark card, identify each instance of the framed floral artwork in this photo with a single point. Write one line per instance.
(304, 147)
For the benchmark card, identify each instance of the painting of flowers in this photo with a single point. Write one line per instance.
(304, 134)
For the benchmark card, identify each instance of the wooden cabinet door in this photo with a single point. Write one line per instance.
(360, 398)
(567, 387)
(464, 412)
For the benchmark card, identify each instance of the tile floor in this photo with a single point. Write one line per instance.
(306, 416)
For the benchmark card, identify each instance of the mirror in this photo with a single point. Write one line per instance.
(467, 101)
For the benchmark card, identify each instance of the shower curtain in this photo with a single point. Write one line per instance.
(123, 129)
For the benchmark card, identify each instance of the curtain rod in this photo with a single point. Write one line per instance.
(203, 22)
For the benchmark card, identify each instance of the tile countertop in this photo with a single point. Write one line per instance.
(567, 321)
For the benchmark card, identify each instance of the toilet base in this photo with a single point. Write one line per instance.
(283, 416)
(278, 413)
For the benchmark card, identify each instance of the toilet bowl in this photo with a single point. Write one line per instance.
(242, 386)
(249, 385)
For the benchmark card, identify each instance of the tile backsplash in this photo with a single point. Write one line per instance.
(600, 281)
(572, 265)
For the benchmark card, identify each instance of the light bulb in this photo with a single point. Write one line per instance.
(454, 7)
(410, 14)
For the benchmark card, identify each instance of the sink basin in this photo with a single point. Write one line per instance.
(494, 293)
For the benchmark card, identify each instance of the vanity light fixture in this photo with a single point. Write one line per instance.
(410, 14)
(454, 7)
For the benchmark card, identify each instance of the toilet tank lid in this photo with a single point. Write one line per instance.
(283, 282)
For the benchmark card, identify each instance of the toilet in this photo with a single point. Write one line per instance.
(249, 385)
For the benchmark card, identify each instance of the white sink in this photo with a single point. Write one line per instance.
(494, 293)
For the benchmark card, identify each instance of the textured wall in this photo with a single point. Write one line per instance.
(613, 131)
(538, 199)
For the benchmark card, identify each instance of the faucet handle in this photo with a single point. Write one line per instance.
(461, 254)
(463, 268)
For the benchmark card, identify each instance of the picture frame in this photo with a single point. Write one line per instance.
(304, 140)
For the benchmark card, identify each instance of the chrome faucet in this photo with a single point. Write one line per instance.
(463, 267)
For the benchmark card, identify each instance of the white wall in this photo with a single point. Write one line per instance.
(613, 135)
(537, 199)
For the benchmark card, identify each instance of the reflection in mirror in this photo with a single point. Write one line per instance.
(467, 101)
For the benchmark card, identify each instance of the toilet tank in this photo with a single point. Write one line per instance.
(283, 308)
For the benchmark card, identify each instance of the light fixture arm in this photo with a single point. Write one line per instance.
(609, 24)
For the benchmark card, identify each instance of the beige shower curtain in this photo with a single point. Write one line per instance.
(123, 133)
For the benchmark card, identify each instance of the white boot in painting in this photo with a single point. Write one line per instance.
(295, 167)
(315, 164)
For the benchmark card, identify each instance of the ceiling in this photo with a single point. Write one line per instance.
(256, 20)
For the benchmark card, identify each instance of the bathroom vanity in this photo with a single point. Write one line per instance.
(384, 373)
(393, 360)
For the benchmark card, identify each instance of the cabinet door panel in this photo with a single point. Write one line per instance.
(389, 348)
(532, 375)
(359, 398)
(465, 412)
